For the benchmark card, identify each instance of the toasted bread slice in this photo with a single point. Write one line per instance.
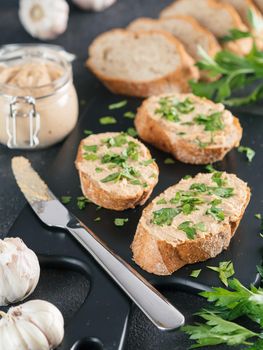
(193, 129)
(141, 63)
(217, 17)
(186, 29)
(191, 221)
(116, 170)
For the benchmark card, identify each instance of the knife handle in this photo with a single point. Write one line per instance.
(152, 303)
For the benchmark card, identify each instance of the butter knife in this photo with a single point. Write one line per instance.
(51, 212)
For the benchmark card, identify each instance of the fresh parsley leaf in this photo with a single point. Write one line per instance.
(90, 156)
(65, 199)
(258, 216)
(132, 132)
(87, 132)
(112, 177)
(195, 273)
(120, 221)
(235, 34)
(90, 148)
(170, 108)
(129, 115)
(212, 122)
(216, 213)
(225, 270)
(98, 170)
(107, 120)
(161, 201)
(260, 270)
(223, 192)
(82, 202)
(217, 178)
(164, 216)
(116, 141)
(186, 177)
(200, 143)
(218, 331)
(118, 105)
(169, 161)
(190, 228)
(97, 219)
(249, 152)
(210, 168)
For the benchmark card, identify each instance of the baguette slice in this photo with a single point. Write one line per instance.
(259, 4)
(245, 8)
(217, 17)
(141, 63)
(186, 29)
(193, 129)
(116, 171)
(172, 233)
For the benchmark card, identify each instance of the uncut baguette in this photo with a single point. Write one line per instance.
(217, 17)
(141, 63)
(118, 195)
(164, 249)
(164, 134)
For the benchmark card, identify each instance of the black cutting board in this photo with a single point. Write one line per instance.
(104, 314)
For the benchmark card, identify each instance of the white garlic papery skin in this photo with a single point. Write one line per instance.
(35, 325)
(94, 5)
(19, 271)
(44, 19)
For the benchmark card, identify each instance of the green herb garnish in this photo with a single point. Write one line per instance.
(235, 34)
(186, 177)
(148, 162)
(216, 213)
(90, 148)
(170, 108)
(195, 273)
(132, 132)
(169, 161)
(129, 115)
(82, 202)
(107, 120)
(210, 168)
(165, 216)
(90, 156)
(190, 228)
(116, 141)
(97, 219)
(161, 201)
(87, 132)
(258, 216)
(98, 170)
(235, 72)
(118, 105)
(212, 122)
(65, 199)
(225, 270)
(120, 221)
(249, 152)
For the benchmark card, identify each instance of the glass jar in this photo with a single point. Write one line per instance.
(38, 101)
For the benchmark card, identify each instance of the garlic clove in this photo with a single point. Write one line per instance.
(94, 5)
(46, 317)
(44, 19)
(35, 325)
(19, 270)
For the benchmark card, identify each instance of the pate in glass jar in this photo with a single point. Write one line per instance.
(38, 101)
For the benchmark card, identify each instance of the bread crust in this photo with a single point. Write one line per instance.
(175, 81)
(162, 258)
(118, 201)
(151, 132)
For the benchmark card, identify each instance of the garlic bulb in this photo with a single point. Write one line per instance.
(19, 271)
(44, 19)
(94, 5)
(35, 325)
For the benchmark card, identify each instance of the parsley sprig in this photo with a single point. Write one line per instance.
(170, 108)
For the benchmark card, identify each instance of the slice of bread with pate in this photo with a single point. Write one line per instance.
(193, 129)
(191, 221)
(186, 29)
(116, 170)
(141, 63)
(220, 18)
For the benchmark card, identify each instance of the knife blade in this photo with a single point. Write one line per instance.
(54, 214)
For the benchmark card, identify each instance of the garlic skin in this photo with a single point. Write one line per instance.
(94, 5)
(19, 271)
(35, 325)
(44, 19)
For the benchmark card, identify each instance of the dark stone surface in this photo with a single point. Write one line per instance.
(82, 28)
